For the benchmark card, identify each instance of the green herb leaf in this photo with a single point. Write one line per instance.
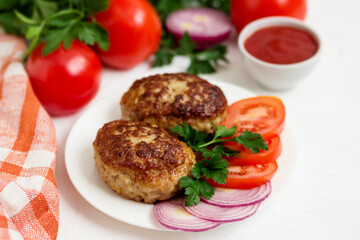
(200, 137)
(192, 190)
(167, 41)
(189, 133)
(7, 4)
(90, 6)
(216, 169)
(193, 197)
(46, 8)
(94, 6)
(186, 182)
(219, 176)
(186, 45)
(165, 54)
(216, 162)
(222, 131)
(68, 39)
(86, 34)
(215, 54)
(62, 21)
(252, 141)
(12, 24)
(54, 39)
(198, 169)
(163, 57)
(192, 137)
(101, 37)
(33, 31)
(206, 190)
(200, 66)
(218, 149)
(179, 130)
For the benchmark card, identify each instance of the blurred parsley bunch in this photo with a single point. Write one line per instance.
(204, 61)
(54, 22)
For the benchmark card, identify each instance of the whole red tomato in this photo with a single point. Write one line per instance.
(244, 11)
(134, 31)
(64, 81)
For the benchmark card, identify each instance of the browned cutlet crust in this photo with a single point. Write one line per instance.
(141, 161)
(171, 99)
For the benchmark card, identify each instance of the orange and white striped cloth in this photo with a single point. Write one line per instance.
(29, 201)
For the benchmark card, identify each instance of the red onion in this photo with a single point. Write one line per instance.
(221, 214)
(225, 197)
(206, 26)
(172, 215)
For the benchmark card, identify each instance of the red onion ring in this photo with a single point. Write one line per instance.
(171, 214)
(221, 214)
(225, 197)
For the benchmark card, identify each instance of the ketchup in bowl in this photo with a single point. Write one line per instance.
(281, 44)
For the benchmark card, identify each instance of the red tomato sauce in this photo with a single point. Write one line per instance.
(281, 45)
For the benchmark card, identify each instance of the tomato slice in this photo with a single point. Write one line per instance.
(262, 157)
(246, 177)
(264, 115)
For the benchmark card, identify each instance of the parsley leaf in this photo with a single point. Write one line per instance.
(193, 189)
(206, 189)
(94, 6)
(186, 182)
(199, 66)
(198, 168)
(216, 168)
(165, 54)
(222, 131)
(213, 55)
(218, 149)
(54, 38)
(210, 145)
(252, 141)
(190, 135)
(193, 194)
(46, 8)
(186, 45)
(163, 57)
(216, 163)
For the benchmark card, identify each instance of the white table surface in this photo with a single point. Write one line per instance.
(320, 198)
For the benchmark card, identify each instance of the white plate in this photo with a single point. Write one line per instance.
(81, 165)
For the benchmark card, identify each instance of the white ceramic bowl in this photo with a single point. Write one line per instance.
(277, 76)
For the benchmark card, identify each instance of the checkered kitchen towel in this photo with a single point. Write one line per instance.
(29, 202)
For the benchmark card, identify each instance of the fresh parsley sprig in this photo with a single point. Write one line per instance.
(212, 149)
(203, 61)
(54, 22)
